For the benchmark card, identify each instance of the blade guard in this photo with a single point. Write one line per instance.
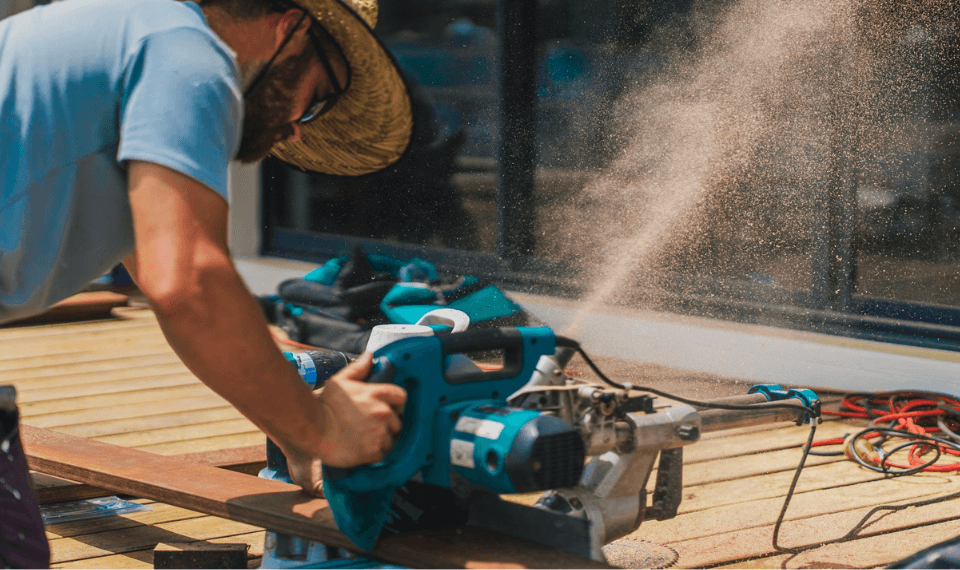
(420, 365)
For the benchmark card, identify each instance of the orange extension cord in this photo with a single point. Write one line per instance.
(927, 422)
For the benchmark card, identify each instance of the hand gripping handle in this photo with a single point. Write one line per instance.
(420, 368)
(383, 372)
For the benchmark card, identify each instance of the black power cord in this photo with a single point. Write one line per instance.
(793, 486)
(809, 411)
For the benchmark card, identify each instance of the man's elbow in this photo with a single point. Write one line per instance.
(187, 293)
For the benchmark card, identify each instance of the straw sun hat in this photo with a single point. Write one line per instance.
(370, 126)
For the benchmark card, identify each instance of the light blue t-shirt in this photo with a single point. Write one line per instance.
(84, 86)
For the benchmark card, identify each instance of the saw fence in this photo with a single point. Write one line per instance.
(107, 404)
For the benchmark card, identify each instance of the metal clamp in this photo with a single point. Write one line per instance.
(776, 393)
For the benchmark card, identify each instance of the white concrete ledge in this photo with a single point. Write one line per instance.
(263, 274)
(753, 353)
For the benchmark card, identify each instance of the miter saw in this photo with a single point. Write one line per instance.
(473, 434)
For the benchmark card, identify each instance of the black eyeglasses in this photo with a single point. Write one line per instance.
(322, 105)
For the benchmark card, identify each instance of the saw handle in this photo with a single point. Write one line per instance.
(507, 339)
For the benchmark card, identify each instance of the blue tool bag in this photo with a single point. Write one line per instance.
(336, 305)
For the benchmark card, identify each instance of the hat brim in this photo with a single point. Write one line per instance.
(371, 125)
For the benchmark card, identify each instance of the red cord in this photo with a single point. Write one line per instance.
(910, 412)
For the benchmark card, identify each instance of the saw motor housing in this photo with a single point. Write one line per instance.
(458, 431)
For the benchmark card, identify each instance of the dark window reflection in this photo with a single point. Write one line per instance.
(801, 152)
(907, 228)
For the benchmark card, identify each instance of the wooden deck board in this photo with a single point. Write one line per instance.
(127, 426)
(144, 536)
(115, 380)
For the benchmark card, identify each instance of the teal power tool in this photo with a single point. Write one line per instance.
(458, 430)
(470, 435)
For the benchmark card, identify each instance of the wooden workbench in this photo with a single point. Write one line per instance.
(115, 380)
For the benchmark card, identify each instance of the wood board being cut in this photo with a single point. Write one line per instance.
(271, 505)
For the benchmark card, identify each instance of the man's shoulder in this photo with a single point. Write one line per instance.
(155, 14)
(174, 35)
(147, 18)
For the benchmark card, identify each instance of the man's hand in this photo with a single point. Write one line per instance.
(360, 424)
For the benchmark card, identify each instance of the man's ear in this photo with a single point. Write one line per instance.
(287, 24)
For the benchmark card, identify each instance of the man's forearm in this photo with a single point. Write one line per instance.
(218, 331)
(182, 265)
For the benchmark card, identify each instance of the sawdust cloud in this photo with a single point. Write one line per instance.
(772, 89)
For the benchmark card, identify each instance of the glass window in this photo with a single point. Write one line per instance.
(799, 155)
(791, 162)
(907, 229)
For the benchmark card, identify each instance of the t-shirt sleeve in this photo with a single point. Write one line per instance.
(181, 106)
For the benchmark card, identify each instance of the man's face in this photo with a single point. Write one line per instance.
(273, 108)
(267, 108)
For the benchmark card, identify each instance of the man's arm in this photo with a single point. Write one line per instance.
(182, 265)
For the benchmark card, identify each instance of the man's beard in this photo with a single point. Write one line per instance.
(266, 118)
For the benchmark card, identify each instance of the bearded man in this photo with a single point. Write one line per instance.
(118, 119)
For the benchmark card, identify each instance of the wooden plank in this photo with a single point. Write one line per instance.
(143, 439)
(88, 305)
(143, 423)
(729, 468)
(249, 460)
(144, 537)
(270, 504)
(128, 321)
(202, 399)
(745, 489)
(75, 336)
(872, 552)
(71, 492)
(763, 512)
(737, 547)
(229, 458)
(206, 444)
(104, 390)
(108, 342)
(892, 538)
(119, 373)
(792, 437)
(144, 558)
(138, 398)
(80, 361)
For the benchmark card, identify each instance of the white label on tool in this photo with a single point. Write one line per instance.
(487, 429)
(467, 424)
(306, 368)
(461, 453)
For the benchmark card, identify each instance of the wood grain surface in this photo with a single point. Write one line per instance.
(115, 381)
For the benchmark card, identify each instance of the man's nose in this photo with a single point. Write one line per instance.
(295, 136)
